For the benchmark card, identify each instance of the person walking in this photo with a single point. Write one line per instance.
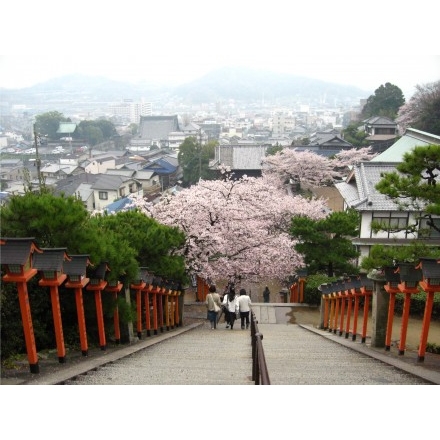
(244, 306)
(230, 301)
(213, 305)
(266, 293)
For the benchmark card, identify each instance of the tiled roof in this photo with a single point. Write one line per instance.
(242, 157)
(109, 182)
(100, 271)
(50, 259)
(17, 250)
(410, 139)
(161, 166)
(157, 127)
(77, 265)
(122, 172)
(73, 183)
(360, 192)
(379, 120)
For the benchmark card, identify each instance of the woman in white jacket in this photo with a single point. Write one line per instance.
(244, 305)
(230, 301)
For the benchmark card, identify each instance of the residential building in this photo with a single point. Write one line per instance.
(358, 192)
(382, 132)
(240, 158)
(129, 111)
(109, 188)
(155, 130)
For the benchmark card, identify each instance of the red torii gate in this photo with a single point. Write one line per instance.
(335, 295)
(50, 266)
(17, 257)
(115, 287)
(297, 288)
(76, 269)
(138, 285)
(430, 284)
(202, 289)
(391, 286)
(98, 284)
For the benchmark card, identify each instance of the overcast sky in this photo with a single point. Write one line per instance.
(175, 41)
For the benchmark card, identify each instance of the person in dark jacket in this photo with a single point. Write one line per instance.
(230, 301)
(266, 293)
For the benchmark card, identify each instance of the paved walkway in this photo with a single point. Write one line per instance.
(196, 355)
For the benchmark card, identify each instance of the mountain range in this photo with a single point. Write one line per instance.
(222, 85)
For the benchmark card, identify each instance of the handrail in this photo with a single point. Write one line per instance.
(260, 375)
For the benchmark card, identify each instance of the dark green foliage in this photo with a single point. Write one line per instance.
(273, 149)
(312, 295)
(142, 239)
(194, 159)
(95, 132)
(418, 301)
(356, 136)
(415, 183)
(47, 124)
(386, 101)
(125, 241)
(326, 243)
(381, 256)
(53, 221)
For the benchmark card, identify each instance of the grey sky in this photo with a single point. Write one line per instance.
(176, 41)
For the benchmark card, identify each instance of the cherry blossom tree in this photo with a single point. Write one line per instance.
(422, 111)
(353, 156)
(240, 227)
(236, 227)
(309, 168)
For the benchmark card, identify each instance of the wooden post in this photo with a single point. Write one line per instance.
(341, 323)
(325, 301)
(404, 326)
(16, 255)
(81, 321)
(425, 325)
(430, 283)
(139, 313)
(116, 319)
(147, 311)
(349, 307)
(138, 287)
(75, 269)
(332, 312)
(355, 316)
(155, 310)
(160, 310)
(100, 319)
(97, 285)
(337, 306)
(58, 325)
(114, 288)
(28, 328)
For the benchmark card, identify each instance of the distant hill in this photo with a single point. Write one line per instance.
(239, 84)
(243, 84)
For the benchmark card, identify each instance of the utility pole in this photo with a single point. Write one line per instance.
(37, 160)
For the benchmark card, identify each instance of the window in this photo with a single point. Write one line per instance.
(428, 230)
(389, 222)
(121, 192)
(103, 195)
